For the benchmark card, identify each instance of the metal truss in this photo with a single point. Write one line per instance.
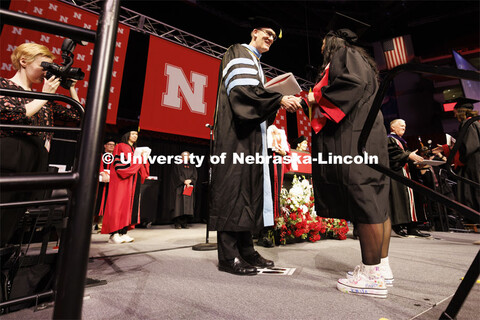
(141, 23)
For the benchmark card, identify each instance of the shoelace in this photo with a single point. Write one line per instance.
(357, 271)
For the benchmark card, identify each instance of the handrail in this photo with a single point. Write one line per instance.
(48, 96)
(39, 181)
(75, 242)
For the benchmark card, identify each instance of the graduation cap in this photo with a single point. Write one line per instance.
(346, 27)
(109, 139)
(264, 22)
(466, 103)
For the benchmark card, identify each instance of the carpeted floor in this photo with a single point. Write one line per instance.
(159, 276)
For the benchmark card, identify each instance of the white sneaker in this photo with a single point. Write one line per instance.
(116, 239)
(126, 238)
(364, 282)
(385, 271)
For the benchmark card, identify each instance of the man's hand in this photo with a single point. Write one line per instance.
(187, 182)
(290, 103)
(415, 157)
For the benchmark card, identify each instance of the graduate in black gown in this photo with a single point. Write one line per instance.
(184, 176)
(340, 103)
(468, 162)
(240, 197)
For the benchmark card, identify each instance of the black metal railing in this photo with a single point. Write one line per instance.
(75, 242)
(473, 272)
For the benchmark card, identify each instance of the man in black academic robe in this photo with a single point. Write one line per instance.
(240, 197)
(184, 176)
(403, 212)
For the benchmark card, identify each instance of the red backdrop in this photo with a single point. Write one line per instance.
(59, 11)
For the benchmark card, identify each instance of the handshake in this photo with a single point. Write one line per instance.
(291, 103)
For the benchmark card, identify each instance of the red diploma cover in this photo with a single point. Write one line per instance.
(187, 191)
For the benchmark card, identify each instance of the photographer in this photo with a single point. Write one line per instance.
(24, 151)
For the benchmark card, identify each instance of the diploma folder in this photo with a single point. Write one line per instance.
(187, 191)
(285, 84)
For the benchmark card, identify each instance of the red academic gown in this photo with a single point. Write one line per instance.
(121, 193)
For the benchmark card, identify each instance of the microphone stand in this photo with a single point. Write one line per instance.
(207, 246)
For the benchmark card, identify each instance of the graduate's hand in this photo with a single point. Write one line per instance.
(290, 103)
(415, 157)
(187, 182)
(311, 99)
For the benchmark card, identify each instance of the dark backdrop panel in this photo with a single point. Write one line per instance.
(163, 172)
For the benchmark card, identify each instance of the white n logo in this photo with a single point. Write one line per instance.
(178, 82)
(38, 10)
(6, 66)
(44, 38)
(17, 31)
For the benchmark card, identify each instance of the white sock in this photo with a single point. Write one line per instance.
(384, 261)
(371, 269)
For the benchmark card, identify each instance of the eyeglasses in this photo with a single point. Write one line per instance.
(269, 34)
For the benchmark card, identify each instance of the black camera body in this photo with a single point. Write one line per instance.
(64, 71)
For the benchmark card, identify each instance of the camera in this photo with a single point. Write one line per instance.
(64, 71)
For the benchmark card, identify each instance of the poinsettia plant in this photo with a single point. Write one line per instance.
(298, 219)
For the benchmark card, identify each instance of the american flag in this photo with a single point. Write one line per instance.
(395, 52)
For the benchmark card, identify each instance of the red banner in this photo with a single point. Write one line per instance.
(180, 90)
(281, 120)
(12, 36)
(303, 124)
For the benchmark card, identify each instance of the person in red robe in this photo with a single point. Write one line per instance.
(122, 211)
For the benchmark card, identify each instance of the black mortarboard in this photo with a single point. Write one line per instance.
(263, 22)
(351, 27)
(466, 103)
(130, 128)
(108, 139)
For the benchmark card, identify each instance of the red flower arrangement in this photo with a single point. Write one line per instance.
(298, 220)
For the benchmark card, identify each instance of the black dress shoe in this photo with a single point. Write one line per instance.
(417, 233)
(237, 266)
(399, 231)
(258, 261)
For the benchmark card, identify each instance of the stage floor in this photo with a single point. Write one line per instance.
(159, 276)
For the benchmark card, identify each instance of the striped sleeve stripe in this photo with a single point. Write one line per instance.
(237, 61)
(239, 71)
(242, 82)
(120, 167)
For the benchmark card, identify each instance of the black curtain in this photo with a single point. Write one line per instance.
(163, 172)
